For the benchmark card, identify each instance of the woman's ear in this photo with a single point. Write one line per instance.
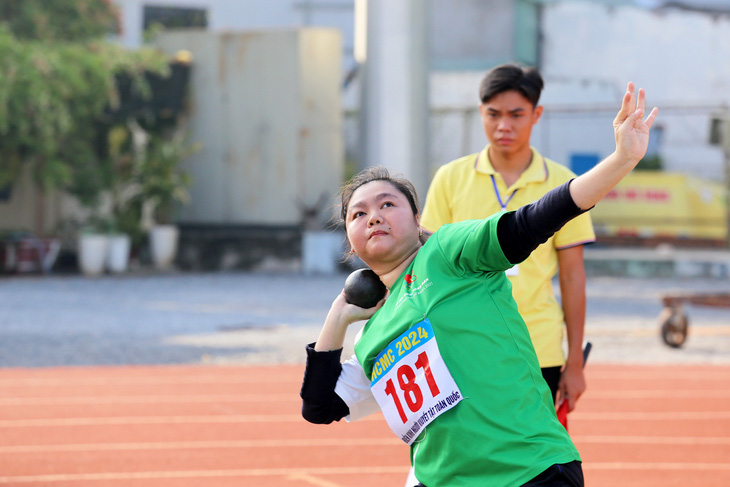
(418, 224)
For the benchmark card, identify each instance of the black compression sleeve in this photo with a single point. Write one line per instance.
(520, 232)
(320, 404)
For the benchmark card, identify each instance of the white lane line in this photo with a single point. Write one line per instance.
(364, 470)
(296, 418)
(260, 418)
(652, 440)
(714, 373)
(655, 466)
(669, 376)
(313, 480)
(198, 445)
(651, 416)
(294, 398)
(332, 442)
(660, 393)
(148, 399)
(246, 377)
(180, 474)
(360, 470)
(119, 420)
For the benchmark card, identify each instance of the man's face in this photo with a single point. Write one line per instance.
(508, 119)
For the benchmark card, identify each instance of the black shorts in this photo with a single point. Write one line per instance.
(558, 475)
(552, 377)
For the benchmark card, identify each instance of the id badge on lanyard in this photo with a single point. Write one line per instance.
(411, 383)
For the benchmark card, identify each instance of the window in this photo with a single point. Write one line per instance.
(174, 17)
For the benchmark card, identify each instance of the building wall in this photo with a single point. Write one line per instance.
(238, 15)
(679, 56)
(469, 34)
(265, 106)
(589, 50)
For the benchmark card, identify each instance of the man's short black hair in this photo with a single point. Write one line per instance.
(511, 77)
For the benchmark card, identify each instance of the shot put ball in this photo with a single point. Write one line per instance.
(364, 288)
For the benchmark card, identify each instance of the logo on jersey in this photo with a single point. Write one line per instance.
(413, 288)
(410, 279)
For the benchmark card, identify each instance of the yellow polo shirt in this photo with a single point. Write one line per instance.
(469, 188)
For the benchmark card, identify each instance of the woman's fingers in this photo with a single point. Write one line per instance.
(633, 106)
(652, 116)
(627, 106)
(640, 102)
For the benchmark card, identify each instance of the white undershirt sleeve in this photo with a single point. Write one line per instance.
(353, 387)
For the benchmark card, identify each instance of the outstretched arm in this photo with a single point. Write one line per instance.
(522, 231)
(632, 138)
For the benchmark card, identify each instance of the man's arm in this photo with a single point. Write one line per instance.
(573, 297)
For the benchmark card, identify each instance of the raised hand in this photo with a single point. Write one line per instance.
(632, 139)
(630, 128)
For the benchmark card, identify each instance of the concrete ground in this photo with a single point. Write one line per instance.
(268, 317)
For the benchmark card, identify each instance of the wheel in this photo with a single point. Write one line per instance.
(674, 325)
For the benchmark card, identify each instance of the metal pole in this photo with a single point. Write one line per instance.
(395, 100)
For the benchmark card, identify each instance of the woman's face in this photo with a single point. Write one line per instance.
(380, 223)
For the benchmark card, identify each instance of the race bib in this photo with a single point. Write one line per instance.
(411, 383)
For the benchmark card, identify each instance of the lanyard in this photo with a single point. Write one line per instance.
(499, 198)
(494, 183)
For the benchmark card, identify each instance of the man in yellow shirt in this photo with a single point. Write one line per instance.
(507, 174)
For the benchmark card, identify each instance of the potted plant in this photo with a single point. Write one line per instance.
(90, 180)
(125, 230)
(108, 192)
(163, 185)
(92, 246)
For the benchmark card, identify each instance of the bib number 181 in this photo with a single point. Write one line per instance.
(411, 382)
(409, 388)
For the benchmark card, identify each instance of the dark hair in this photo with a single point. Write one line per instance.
(377, 173)
(511, 77)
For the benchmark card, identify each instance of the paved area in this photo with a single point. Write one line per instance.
(267, 317)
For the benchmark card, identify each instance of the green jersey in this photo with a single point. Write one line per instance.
(504, 431)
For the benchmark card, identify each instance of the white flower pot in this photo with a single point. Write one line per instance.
(163, 245)
(117, 256)
(92, 249)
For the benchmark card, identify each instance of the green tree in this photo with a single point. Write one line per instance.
(59, 20)
(57, 88)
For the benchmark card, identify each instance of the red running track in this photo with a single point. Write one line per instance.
(240, 426)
